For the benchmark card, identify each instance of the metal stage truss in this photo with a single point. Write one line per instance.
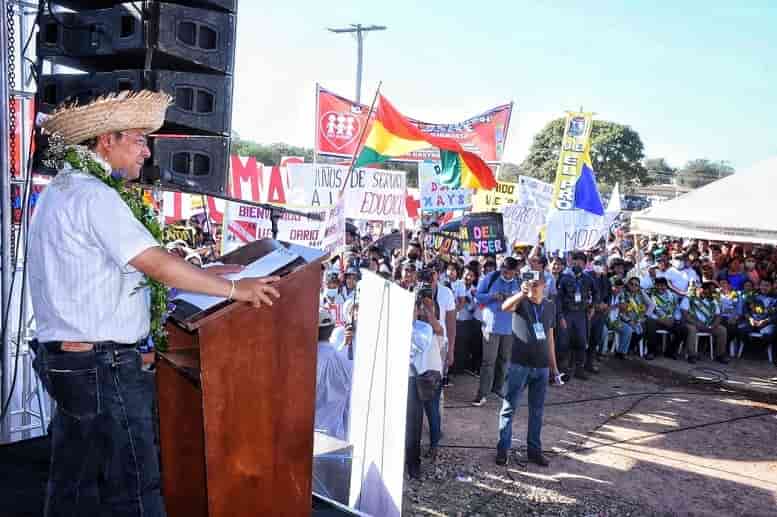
(27, 412)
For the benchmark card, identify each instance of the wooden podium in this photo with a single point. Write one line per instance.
(236, 392)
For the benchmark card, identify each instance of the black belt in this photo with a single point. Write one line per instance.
(99, 346)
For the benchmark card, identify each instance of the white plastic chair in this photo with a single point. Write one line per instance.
(664, 334)
(615, 340)
(757, 335)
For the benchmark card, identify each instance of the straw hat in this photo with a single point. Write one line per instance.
(144, 110)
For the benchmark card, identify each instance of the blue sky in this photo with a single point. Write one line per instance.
(693, 78)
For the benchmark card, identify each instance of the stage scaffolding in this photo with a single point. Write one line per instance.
(27, 414)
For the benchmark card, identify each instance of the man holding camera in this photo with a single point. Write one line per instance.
(441, 299)
(533, 360)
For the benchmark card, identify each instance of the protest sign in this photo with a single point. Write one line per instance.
(522, 223)
(580, 230)
(479, 234)
(339, 121)
(246, 223)
(504, 194)
(534, 192)
(377, 431)
(372, 194)
(436, 197)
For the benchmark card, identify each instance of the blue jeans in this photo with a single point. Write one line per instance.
(432, 410)
(103, 458)
(518, 377)
(624, 337)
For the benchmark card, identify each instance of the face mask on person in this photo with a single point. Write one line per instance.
(749, 265)
(412, 256)
(599, 269)
(331, 293)
(577, 269)
(678, 264)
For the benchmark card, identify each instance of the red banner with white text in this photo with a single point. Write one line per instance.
(340, 121)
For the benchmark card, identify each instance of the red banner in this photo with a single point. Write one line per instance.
(339, 123)
(29, 116)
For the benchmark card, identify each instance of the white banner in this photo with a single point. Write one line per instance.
(436, 197)
(380, 372)
(522, 223)
(372, 194)
(246, 223)
(534, 192)
(570, 230)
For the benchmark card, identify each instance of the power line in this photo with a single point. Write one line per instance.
(360, 31)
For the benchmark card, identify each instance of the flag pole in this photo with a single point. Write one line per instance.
(317, 123)
(361, 139)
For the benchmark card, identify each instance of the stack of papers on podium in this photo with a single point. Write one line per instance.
(265, 266)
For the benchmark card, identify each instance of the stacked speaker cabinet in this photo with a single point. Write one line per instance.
(185, 48)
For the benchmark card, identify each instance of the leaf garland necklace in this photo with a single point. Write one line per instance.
(81, 158)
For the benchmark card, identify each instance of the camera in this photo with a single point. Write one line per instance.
(424, 290)
(425, 276)
(529, 276)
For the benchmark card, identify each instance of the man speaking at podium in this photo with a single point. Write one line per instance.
(89, 251)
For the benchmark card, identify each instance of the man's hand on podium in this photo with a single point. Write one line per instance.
(256, 291)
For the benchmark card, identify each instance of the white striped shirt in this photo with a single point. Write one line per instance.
(82, 237)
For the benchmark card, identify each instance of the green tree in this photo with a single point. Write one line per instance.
(616, 153)
(272, 154)
(269, 154)
(700, 172)
(411, 171)
(660, 171)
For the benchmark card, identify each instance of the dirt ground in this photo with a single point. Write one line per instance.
(644, 446)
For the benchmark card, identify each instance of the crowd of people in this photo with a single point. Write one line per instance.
(630, 298)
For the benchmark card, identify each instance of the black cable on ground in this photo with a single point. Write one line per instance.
(622, 395)
(707, 375)
(677, 430)
(619, 442)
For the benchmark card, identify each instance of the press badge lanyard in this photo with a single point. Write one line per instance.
(539, 330)
(578, 291)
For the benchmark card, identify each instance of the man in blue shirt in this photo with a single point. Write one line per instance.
(493, 290)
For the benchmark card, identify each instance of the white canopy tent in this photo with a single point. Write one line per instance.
(738, 208)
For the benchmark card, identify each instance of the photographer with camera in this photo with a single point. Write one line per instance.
(469, 335)
(425, 375)
(532, 362)
(444, 305)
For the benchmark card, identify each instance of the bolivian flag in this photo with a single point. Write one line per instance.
(392, 135)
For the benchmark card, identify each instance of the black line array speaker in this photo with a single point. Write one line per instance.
(203, 102)
(183, 38)
(189, 163)
(185, 48)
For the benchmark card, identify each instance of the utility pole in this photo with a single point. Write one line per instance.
(360, 31)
